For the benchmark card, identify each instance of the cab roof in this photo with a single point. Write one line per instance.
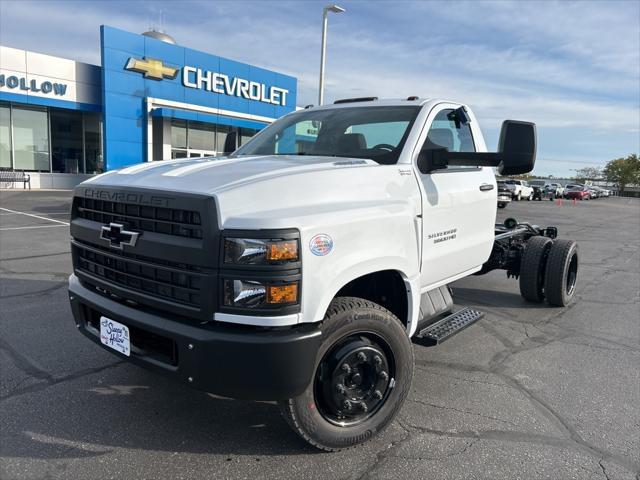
(374, 101)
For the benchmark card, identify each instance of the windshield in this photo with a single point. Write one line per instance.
(377, 133)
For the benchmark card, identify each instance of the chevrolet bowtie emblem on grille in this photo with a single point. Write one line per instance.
(117, 236)
(151, 68)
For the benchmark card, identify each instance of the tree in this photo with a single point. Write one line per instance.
(623, 171)
(588, 173)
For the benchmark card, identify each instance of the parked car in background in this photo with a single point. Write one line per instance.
(571, 186)
(537, 192)
(537, 183)
(519, 189)
(556, 188)
(602, 192)
(593, 192)
(579, 192)
(541, 189)
(504, 194)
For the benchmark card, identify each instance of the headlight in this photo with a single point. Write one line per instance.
(259, 251)
(256, 294)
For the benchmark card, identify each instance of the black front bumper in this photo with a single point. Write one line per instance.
(233, 361)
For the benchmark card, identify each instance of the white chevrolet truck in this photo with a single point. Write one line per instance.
(302, 267)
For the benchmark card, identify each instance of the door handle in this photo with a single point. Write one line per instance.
(485, 187)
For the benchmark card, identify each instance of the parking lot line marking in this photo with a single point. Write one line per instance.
(33, 226)
(20, 213)
(35, 216)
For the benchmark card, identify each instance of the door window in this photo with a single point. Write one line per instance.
(448, 132)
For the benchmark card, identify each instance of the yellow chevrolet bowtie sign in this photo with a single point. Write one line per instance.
(151, 68)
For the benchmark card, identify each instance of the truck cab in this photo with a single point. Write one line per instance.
(299, 267)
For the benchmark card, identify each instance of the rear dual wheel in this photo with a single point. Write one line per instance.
(549, 269)
(532, 268)
(561, 273)
(363, 374)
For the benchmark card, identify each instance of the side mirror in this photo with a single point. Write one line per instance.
(516, 152)
(231, 142)
(517, 147)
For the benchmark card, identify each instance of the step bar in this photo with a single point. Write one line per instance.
(441, 330)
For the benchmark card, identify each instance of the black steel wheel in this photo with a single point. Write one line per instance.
(363, 374)
(561, 273)
(354, 378)
(532, 268)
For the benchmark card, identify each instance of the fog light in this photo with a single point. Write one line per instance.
(282, 293)
(255, 294)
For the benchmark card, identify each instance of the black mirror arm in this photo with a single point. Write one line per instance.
(468, 159)
(439, 158)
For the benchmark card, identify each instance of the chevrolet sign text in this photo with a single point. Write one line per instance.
(193, 77)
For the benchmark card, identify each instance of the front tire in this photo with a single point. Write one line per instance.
(363, 373)
(502, 205)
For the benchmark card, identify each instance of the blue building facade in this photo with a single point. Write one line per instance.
(149, 100)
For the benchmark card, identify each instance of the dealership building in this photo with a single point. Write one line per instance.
(62, 120)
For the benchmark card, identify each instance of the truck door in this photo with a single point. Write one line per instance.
(458, 203)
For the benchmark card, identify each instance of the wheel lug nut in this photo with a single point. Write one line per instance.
(346, 405)
(340, 388)
(346, 368)
(377, 360)
(363, 407)
(384, 375)
(377, 394)
(362, 357)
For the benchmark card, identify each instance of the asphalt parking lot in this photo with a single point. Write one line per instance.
(527, 392)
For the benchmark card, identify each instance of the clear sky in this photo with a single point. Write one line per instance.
(571, 67)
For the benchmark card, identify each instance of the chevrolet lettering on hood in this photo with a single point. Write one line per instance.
(128, 197)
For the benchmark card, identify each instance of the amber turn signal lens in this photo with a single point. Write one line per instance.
(282, 293)
(283, 250)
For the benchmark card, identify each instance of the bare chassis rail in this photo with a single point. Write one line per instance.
(509, 244)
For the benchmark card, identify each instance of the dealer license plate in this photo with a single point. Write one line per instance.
(115, 335)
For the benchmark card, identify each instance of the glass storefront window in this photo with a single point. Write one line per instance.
(66, 141)
(221, 137)
(192, 139)
(5, 136)
(50, 139)
(179, 133)
(31, 139)
(93, 143)
(246, 134)
(201, 136)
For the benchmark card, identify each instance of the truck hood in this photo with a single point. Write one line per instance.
(214, 175)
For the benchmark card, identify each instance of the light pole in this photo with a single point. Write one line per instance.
(323, 51)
